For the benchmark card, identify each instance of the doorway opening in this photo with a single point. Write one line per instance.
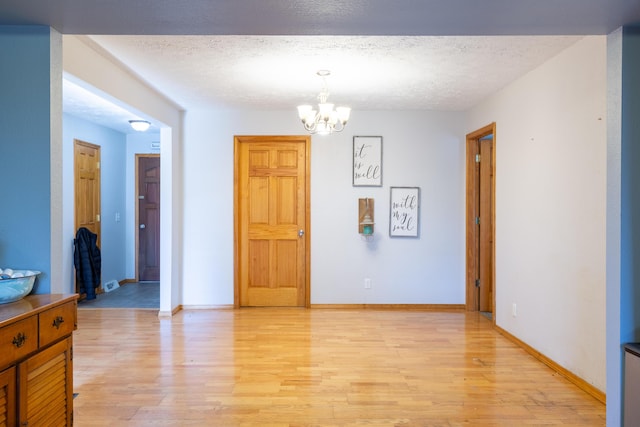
(480, 220)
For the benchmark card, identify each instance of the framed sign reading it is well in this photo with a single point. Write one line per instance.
(367, 161)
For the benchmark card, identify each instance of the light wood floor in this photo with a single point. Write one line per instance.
(317, 367)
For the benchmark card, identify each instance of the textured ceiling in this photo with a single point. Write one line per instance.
(265, 53)
(374, 72)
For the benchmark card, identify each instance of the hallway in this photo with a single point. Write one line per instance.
(129, 295)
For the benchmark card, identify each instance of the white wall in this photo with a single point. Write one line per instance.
(422, 149)
(550, 207)
(615, 306)
(56, 151)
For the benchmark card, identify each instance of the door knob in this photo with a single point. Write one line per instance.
(142, 226)
(300, 233)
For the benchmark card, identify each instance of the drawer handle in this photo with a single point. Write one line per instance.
(59, 320)
(19, 340)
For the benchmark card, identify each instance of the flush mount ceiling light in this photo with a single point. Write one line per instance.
(139, 125)
(326, 120)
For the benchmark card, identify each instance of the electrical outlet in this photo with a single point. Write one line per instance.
(367, 283)
(514, 311)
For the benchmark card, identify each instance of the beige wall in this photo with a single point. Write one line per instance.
(550, 207)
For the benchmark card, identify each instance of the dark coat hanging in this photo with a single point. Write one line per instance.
(87, 261)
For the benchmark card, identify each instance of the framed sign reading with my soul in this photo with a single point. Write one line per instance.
(367, 161)
(404, 214)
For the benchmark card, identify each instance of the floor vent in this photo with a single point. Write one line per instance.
(110, 285)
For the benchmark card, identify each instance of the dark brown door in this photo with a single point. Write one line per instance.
(480, 219)
(148, 218)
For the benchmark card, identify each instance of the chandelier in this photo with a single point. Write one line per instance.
(325, 120)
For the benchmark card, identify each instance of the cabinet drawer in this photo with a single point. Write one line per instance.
(18, 339)
(57, 322)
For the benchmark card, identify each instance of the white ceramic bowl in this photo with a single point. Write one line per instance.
(17, 288)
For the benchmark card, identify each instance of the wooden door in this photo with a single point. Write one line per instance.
(148, 208)
(480, 258)
(87, 186)
(272, 220)
(485, 238)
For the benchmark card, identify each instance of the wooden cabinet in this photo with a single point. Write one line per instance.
(8, 397)
(45, 387)
(36, 364)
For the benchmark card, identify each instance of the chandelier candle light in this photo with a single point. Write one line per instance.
(326, 120)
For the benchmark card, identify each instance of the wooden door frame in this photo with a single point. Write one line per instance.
(472, 231)
(240, 139)
(137, 214)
